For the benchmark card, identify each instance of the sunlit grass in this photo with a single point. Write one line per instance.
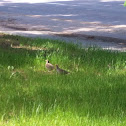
(93, 94)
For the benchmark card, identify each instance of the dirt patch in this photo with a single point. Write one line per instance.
(28, 47)
(17, 28)
(25, 28)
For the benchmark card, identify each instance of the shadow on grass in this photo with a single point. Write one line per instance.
(19, 51)
(17, 57)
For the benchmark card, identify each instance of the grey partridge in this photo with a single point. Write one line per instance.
(49, 66)
(61, 71)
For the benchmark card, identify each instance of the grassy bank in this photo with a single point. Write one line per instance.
(93, 94)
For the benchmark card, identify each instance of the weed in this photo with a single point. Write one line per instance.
(93, 94)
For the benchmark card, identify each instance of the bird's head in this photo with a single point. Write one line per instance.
(57, 66)
(47, 61)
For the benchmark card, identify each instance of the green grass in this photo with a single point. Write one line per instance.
(93, 94)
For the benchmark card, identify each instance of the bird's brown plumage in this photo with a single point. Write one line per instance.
(61, 71)
(49, 66)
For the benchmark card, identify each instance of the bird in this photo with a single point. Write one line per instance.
(49, 66)
(61, 71)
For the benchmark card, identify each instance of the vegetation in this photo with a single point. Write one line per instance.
(125, 4)
(93, 94)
